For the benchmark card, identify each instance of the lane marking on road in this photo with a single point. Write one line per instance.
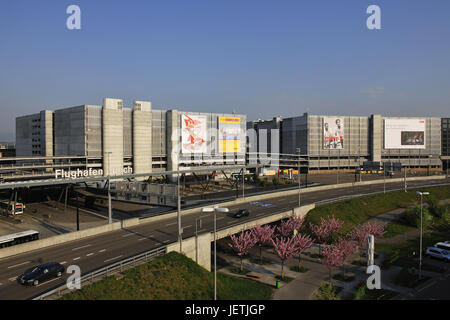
(77, 258)
(165, 241)
(103, 250)
(89, 254)
(427, 286)
(220, 218)
(18, 265)
(1, 284)
(187, 226)
(142, 239)
(171, 224)
(113, 258)
(88, 245)
(12, 279)
(46, 282)
(127, 235)
(230, 222)
(64, 262)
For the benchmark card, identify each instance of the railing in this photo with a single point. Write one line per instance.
(107, 271)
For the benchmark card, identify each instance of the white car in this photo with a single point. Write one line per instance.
(437, 253)
(443, 245)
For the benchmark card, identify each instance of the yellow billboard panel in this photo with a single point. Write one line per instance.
(229, 134)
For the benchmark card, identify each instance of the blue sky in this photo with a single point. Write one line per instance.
(261, 58)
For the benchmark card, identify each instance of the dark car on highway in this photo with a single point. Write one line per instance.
(42, 273)
(241, 213)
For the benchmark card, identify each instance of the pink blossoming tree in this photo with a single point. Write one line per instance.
(288, 226)
(347, 248)
(332, 257)
(302, 242)
(360, 233)
(261, 236)
(242, 244)
(325, 230)
(284, 248)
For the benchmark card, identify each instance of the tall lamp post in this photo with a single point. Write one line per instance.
(299, 176)
(180, 231)
(421, 229)
(215, 209)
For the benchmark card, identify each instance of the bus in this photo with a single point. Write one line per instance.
(18, 238)
(7, 206)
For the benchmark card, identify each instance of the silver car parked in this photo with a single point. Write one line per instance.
(437, 253)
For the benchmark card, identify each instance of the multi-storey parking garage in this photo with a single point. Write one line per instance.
(340, 142)
(115, 138)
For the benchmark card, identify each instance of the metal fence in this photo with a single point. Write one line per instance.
(110, 270)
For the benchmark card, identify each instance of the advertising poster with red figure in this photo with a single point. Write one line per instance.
(333, 133)
(193, 134)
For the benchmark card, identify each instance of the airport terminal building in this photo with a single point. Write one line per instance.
(113, 137)
(346, 142)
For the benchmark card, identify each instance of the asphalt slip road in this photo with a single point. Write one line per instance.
(98, 251)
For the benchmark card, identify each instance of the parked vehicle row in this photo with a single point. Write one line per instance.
(440, 250)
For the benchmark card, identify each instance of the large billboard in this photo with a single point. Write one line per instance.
(404, 133)
(229, 134)
(193, 134)
(333, 133)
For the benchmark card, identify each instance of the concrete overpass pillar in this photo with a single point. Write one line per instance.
(196, 248)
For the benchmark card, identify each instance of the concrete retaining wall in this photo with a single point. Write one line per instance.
(196, 248)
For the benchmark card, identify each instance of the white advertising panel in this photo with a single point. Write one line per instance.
(404, 134)
(193, 134)
(333, 133)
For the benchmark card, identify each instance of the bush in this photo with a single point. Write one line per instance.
(327, 292)
(360, 293)
(275, 181)
(412, 216)
(435, 209)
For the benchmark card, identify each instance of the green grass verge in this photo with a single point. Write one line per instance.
(357, 211)
(396, 227)
(171, 277)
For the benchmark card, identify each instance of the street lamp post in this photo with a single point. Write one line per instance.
(421, 229)
(180, 237)
(109, 189)
(405, 179)
(215, 209)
